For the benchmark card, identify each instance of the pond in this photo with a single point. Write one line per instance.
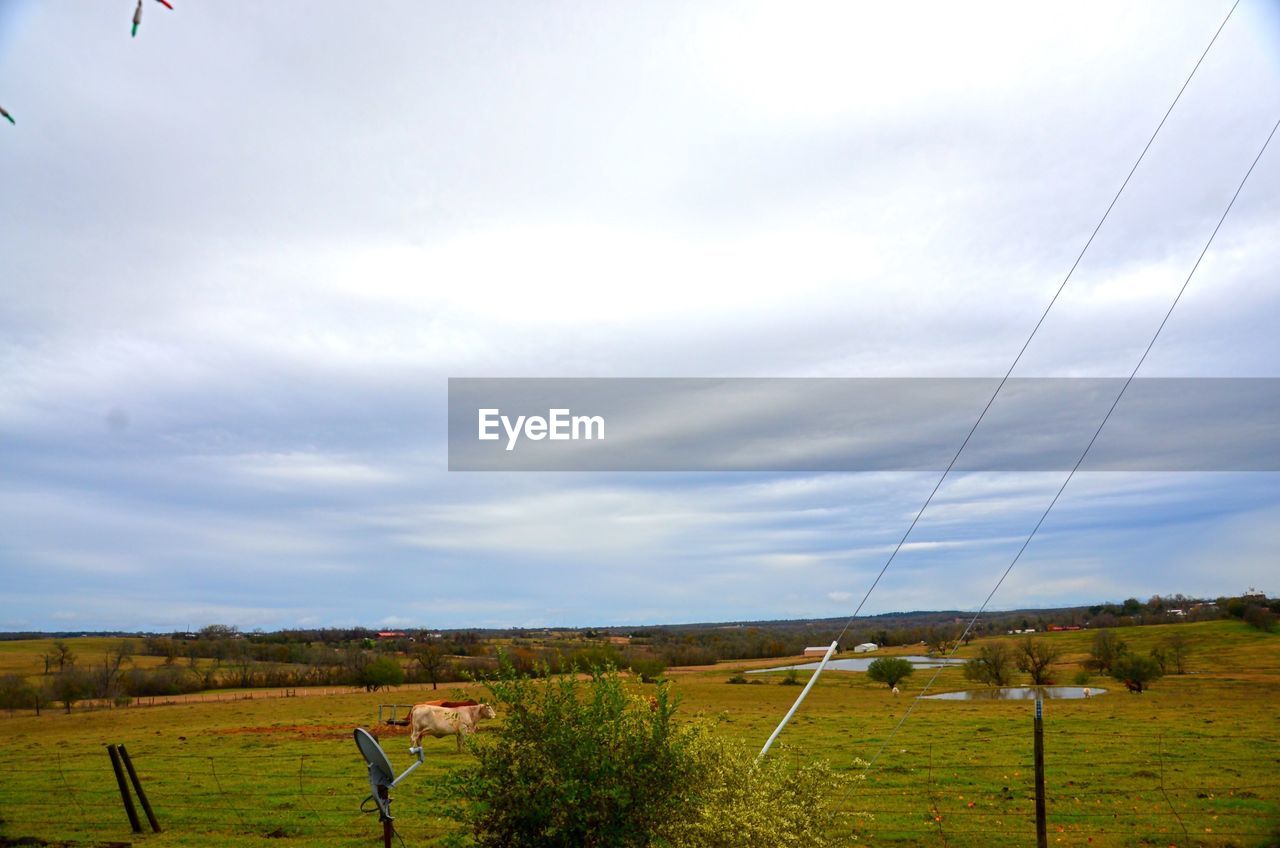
(1018, 693)
(861, 663)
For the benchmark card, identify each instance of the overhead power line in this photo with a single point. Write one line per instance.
(1089, 446)
(982, 415)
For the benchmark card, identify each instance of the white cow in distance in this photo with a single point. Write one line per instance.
(429, 720)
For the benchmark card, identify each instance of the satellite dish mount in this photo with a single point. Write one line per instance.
(382, 778)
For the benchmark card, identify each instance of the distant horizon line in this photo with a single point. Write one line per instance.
(818, 621)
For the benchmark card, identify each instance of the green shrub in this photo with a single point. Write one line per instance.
(580, 762)
(15, 693)
(648, 669)
(791, 678)
(737, 678)
(738, 801)
(575, 763)
(1081, 678)
(1260, 617)
(384, 671)
(890, 670)
(1136, 671)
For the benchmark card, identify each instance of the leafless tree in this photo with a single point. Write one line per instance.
(1035, 656)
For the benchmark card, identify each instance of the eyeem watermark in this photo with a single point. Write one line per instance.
(857, 424)
(558, 425)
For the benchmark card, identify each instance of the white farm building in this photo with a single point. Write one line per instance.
(865, 648)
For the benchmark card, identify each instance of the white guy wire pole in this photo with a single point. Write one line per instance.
(805, 691)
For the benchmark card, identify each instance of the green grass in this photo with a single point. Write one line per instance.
(1205, 744)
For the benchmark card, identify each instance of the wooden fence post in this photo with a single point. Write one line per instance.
(124, 790)
(137, 787)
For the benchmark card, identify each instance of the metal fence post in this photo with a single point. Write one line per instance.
(1042, 835)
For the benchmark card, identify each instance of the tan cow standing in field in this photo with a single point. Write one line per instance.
(429, 720)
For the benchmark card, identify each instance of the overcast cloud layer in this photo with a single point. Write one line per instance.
(243, 253)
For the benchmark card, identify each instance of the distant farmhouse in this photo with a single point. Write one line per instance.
(865, 648)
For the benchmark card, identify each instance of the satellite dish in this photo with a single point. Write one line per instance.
(381, 776)
(374, 756)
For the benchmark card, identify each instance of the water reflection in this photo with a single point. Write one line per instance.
(861, 663)
(1019, 693)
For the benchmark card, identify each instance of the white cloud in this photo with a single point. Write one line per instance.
(722, 190)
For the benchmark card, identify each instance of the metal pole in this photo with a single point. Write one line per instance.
(137, 787)
(796, 705)
(124, 790)
(386, 818)
(1042, 835)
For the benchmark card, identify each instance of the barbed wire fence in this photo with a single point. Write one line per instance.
(1104, 787)
(1126, 788)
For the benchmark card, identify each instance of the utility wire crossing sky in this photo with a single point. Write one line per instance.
(225, 343)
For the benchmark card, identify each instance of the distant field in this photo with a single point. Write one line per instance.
(1194, 761)
(24, 656)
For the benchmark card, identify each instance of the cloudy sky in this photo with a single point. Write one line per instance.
(244, 252)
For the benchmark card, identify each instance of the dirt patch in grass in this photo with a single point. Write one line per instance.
(296, 731)
(312, 731)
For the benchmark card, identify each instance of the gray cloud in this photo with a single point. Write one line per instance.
(268, 233)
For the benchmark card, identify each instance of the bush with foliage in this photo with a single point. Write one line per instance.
(165, 680)
(69, 686)
(773, 802)
(16, 693)
(576, 763)
(649, 669)
(581, 762)
(1137, 671)
(941, 640)
(890, 670)
(1260, 617)
(384, 671)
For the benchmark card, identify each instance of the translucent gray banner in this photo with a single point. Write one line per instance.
(784, 424)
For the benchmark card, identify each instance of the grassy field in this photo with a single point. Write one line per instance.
(24, 656)
(1194, 761)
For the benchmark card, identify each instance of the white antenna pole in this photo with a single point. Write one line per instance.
(796, 705)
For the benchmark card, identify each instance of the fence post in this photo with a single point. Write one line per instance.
(124, 790)
(1042, 834)
(137, 787)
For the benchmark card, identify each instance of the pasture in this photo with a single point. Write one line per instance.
(1194, 761)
